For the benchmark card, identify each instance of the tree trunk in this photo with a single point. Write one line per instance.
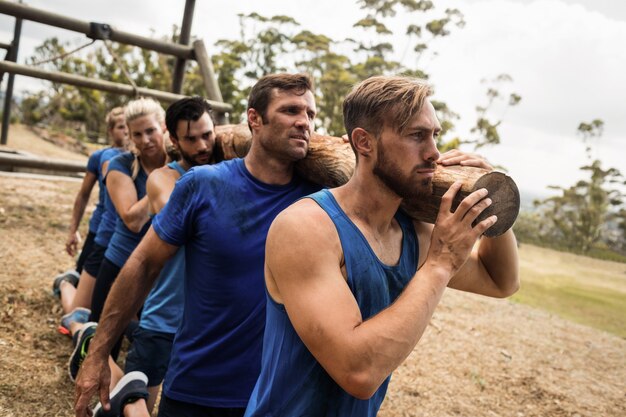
(330, 162)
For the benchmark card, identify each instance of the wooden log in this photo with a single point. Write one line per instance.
(330, 162)
(502, 191)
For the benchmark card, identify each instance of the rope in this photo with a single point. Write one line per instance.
(122, 67)
(45, 61)
(117, 60)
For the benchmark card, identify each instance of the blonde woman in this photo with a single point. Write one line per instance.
(126, 185)
(76, 294)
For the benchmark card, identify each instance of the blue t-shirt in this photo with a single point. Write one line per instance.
(109, 215)
(163, 309)
(221, 214)
(124, 241)
(94, 166)
(292, 382)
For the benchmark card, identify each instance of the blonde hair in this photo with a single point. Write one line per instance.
(140, 108)
(384, 101)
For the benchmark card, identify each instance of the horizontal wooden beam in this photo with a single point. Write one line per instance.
(111, 87)
(38, 15)
(21, 161)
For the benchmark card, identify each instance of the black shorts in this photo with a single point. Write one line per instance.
(150, 354)
(85, 251)
(173, 408)
(104, 280)
(94, 260)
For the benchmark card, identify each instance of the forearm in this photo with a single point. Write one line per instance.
(136, 216)
(380, 344)
(126, 297)
(499, 256)
(80, 204)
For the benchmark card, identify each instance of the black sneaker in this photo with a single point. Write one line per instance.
(84, 336)
(70, 276)
(132, 386)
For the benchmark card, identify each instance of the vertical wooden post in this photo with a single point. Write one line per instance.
(208, 77)
(185, 33)
(8, 96)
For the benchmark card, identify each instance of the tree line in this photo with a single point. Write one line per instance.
(587, 215)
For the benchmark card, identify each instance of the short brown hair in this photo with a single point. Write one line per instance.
(261, 92)
(384, 100)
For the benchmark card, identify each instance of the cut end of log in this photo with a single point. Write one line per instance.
(506, 201)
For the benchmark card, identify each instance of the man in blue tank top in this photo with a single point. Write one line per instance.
(221, 214)
(352, 282)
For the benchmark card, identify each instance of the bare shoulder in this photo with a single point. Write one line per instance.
(303, 219)
(303, 229)
(161, 177)
(163, 173)
(302, 245)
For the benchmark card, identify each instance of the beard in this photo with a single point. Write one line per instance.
(191, 159)
(404, 186)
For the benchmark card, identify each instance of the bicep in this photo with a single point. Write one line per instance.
(473, 276)
(122, 191)
(159, 188)
(305, 267)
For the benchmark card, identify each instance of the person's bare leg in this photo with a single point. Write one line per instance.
(77, 297)
(68, 292)
(141, 407)
(75, 327)
(116, 373)
(154, 392)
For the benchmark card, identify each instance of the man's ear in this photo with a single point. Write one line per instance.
(174, 141)
(254, 118)
(362, 141)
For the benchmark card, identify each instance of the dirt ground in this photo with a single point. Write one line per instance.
(479, 357)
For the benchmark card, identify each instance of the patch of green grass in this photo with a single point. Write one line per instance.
(581, 302)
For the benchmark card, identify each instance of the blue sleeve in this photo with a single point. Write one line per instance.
(173, 224)
(93, 164)
(122, 163)
(108, 155)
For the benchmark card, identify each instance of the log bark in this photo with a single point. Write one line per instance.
(330, 162)
(502, 191)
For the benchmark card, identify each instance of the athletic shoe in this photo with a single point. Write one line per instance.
(131, 387)
(83, 339)
(70, 276)
(78, 315)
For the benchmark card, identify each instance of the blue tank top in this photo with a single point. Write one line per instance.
(163, 309)
(124, 241)
(109, 215)
(292, 382)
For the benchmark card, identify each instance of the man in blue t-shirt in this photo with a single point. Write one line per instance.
(352, 281)
(221, 214)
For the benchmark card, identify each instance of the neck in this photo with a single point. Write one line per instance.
(151, 164)
(267, 168)
(184, 164)
(367, 200)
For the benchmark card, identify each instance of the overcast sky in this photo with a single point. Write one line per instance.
(567, 59)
